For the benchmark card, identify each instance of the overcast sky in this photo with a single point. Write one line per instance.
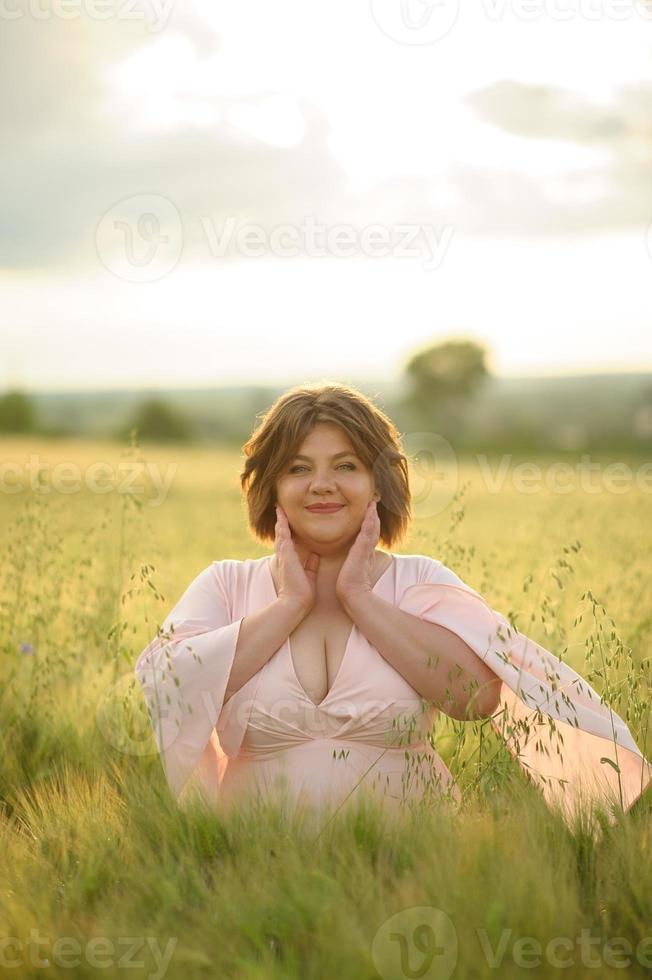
(201, 192)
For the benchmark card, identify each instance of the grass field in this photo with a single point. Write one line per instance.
(102, 874)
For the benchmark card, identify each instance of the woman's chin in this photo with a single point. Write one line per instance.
(325, 540)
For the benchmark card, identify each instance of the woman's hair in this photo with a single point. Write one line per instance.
(287, 423)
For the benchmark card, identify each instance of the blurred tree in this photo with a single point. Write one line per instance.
(642, 418)
(157, 421)
(442, 378)
(17, 412)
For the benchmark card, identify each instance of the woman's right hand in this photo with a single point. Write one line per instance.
(297, 584)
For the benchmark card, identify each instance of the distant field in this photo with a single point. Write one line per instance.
(91, 844)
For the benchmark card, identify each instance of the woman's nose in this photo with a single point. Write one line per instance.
(322, 482)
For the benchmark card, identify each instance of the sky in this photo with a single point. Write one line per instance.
(203, 193)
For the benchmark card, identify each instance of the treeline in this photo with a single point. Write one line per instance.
(445, 389)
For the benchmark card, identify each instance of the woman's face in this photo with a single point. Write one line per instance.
(330, 473)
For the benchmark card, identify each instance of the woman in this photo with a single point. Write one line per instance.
(320, 669)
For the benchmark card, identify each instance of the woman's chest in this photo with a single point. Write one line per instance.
(317, 649)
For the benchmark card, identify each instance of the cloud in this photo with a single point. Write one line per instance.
(69, 155)
(547, 112)
(613, 195)
(72, 149)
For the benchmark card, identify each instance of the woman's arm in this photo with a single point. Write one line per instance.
(440, 666)
(199, 656)
(261, 634)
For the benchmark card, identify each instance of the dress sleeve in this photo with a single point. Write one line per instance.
(590, 755)
(184, 673)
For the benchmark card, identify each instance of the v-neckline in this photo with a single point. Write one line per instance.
(288, 645)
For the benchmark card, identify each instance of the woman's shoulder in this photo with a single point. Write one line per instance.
(234, 573)
(420, 566)
(221, 573)
(225, 580)
(424, 570)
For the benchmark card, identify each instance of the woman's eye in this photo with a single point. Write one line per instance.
(294, 469)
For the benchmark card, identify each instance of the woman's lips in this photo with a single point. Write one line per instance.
(325, 510)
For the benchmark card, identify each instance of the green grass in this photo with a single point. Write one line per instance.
(94, 847)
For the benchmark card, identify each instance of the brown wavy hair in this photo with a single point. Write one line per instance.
(286, 424)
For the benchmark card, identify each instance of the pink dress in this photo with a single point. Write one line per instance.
(370, 734)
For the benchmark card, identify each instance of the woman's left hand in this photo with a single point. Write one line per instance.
(357, 570)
